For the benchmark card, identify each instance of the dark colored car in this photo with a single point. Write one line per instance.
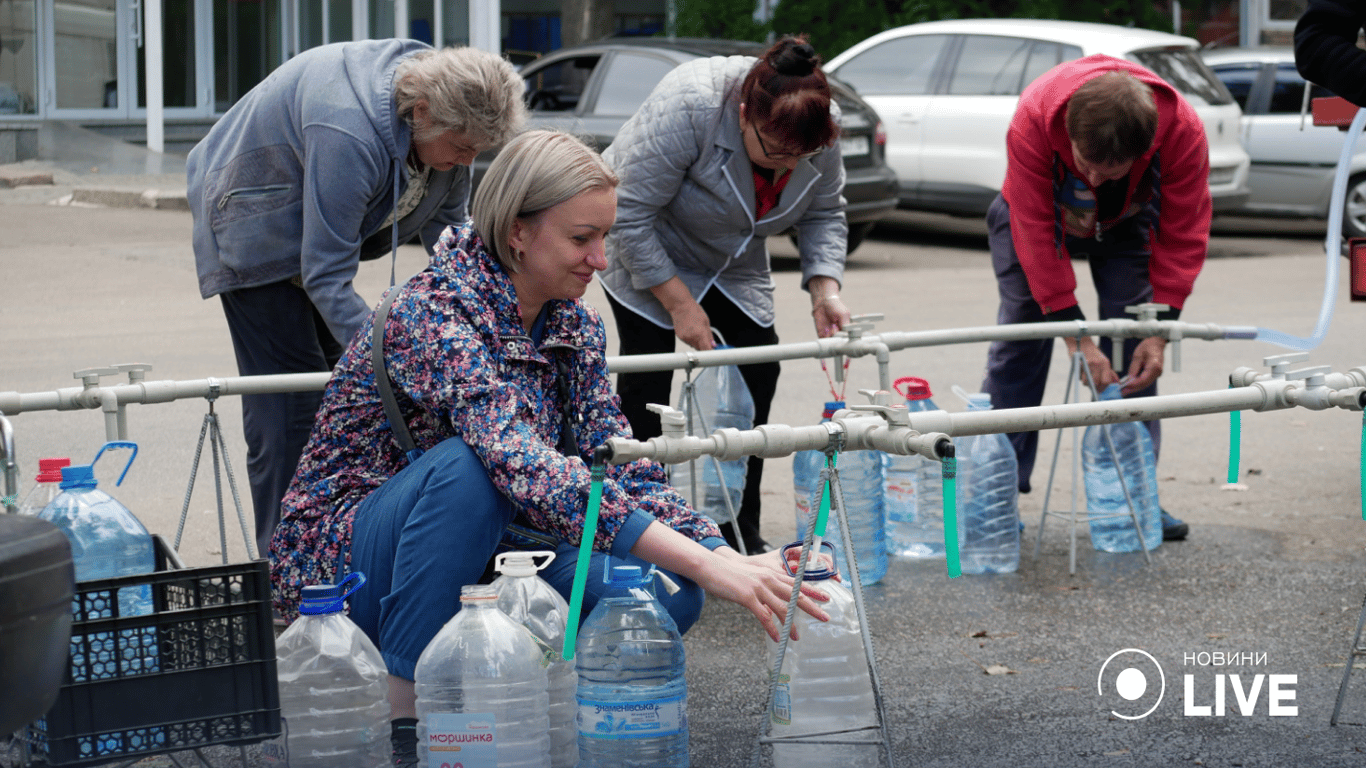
(591, 90)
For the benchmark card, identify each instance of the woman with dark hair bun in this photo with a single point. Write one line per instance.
(725, 153)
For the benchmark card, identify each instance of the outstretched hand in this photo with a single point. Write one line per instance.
(759, 583)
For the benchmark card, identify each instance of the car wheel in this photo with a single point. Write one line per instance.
(856, 234)
(1354, 207)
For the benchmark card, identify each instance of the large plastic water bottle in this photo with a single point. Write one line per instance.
(107, 541)
(334, 687)
(1112, 529)
(824, 686)
(720, 399)
(481, 690)
(914, 489)
(46, 487)
(861, 480)
(533, 603)
(988, 510)
(633, 698)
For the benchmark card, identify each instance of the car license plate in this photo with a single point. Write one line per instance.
(853, 145)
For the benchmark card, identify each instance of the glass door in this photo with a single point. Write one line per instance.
(18, 58)
(84, 72)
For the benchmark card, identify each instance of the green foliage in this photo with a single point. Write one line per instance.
(726, 19)
(831, 25)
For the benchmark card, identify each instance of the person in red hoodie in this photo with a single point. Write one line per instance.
(1106, 162)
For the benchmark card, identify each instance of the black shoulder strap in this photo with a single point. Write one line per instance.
(382, 383)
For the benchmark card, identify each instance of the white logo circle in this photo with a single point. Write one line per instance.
(1131, 683)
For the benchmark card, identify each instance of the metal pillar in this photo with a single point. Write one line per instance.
(848, 737)
(1077, 514)
(214, 433)
(1353, 653)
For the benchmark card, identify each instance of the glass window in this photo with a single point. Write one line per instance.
(1187, 73)
(629, 80)
(1044, 56)
(557, 87)
(902, 66)
(1238, 79)
(246, 47)
(989, 66)
(1287, 95)
(18, 60)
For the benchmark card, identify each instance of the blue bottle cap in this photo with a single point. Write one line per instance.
(627, 576)
(321, 599)
(79, 476)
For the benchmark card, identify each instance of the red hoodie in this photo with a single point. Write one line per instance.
(1037, 140)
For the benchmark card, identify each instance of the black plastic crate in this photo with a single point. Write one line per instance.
(197, 671)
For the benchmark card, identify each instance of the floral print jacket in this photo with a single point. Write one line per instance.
(463, 366)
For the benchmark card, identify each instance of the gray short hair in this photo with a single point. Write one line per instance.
(535, 171)
(468, 91)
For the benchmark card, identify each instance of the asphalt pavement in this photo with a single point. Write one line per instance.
(976, 671)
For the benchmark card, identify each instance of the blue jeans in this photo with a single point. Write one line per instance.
(1017, 371)
(433, 528)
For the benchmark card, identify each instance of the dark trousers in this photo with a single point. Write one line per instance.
(432, 528)
(1017, 371)
(639, 336)
(276, 329)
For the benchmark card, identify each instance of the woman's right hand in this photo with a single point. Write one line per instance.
(691, 325)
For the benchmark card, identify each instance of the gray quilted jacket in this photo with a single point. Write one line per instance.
(685, 205)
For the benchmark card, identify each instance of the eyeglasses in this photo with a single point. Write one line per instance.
(783, 155)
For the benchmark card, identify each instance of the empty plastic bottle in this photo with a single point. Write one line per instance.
(47, 485)
(720, 399)
(988, 510)
(334, 687)
(533, 603)
(861, 479)
(1112, 528)
(913, 489)
(107, 540)
(824, 686)
(633, 698)
(482, 690)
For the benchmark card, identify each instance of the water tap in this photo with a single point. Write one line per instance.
(854, 330)
(1315, 395)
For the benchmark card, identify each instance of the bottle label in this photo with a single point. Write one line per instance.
(275, 752)
(632, 719)
(466, 740)
(782, 701)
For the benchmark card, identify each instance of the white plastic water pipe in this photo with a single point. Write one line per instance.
(1332, 246)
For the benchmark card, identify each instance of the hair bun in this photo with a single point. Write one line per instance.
(795, 58)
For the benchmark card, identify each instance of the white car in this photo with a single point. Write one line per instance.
(1293, 161)
(946, 91)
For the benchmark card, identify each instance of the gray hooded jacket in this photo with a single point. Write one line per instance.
(298, 177)
(685, 204)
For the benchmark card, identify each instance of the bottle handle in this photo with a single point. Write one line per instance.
(500, 558)
(119, 444)
(897, 385)
(962, 393)
(358, 578)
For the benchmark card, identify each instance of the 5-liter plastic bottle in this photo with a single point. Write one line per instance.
(47, 486)
(861, 479)
(1112, 529)
(533, 603)
(107, 540)
(824, 686)
(633, 698)
(988, 512)
(913, 489)
(482, 690)
(722, 400)
(334, 687)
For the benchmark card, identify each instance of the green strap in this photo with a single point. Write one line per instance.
(823, 511)
(949, 472)
(590, 527)
(1363, 466)
(1235, 441)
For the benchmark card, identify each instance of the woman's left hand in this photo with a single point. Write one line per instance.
(759, 583)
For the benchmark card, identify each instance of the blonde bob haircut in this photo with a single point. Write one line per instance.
(468, 91)
(535, 171)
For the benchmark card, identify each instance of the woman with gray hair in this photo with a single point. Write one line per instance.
(339, 155)
(499, 379)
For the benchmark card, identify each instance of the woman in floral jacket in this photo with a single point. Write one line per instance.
(499, 371)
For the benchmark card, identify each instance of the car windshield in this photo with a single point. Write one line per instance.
(1187, 73)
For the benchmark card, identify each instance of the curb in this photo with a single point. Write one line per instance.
(124, 197)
